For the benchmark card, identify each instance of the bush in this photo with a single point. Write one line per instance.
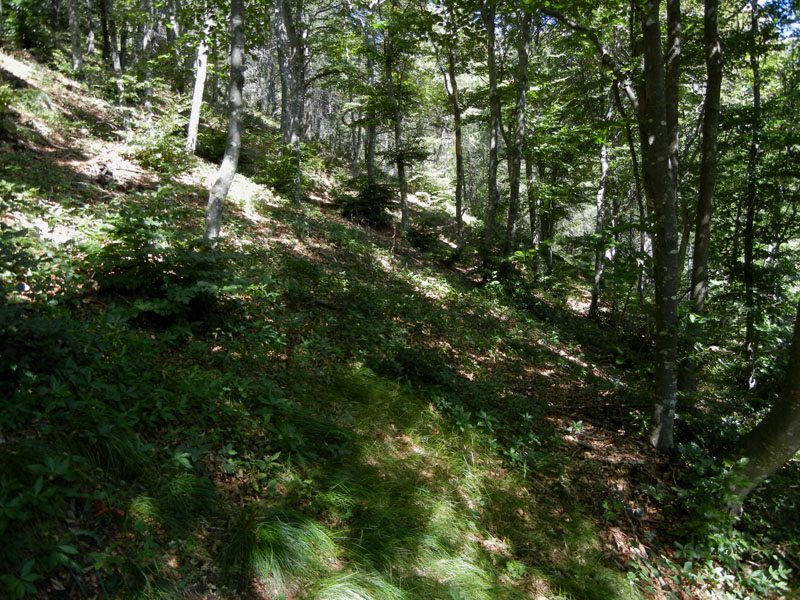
(366, 202)
(161, 148)
(157, 275)
(424, 233)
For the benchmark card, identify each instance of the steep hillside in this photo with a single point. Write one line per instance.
(319, 409)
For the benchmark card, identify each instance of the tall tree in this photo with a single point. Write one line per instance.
(448, 41)
(488, 12)
(648, 95)
(292, 16)
(230, 160)
(200, 73)
(518, 134)
(751, 201)
(74, 34)
(393, 89)
(708, 175)
(600, 224)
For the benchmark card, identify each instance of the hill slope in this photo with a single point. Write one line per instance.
(317, 410)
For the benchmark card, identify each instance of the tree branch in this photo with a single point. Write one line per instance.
(605, 56)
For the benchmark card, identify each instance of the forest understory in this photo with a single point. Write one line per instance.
(323, 408)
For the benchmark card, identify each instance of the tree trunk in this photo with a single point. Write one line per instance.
(708, 173)
(397, 119)
(227, 170)
(454, 100)
(518, 138)
(283, 72)
(90, 28)
(145, 47)
(599, 229)
(488, 14)
(369, 142)
(123, 48)
(546, 219)
(113, 40)
(660, 188)
(774, 440)
(672, 83)
(75, 36)
(751, 203)
(200, 72)
(104, 30)
(293, 24)
(637, 190)
(533, 211)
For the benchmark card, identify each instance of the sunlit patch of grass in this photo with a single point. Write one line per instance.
(356, 586)
(281, 546)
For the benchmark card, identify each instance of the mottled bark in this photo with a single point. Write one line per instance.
(227, 170)
(660, 188)
(672, 82)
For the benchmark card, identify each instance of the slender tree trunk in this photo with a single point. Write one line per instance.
(533, 211)
(672, 92)
(75, 35)
(637, 190)
(518, 137)
(708, 173)
(774, 440)
(293, 24)
(104, 29)
(488, 14)
(200, 72)
(397, 119)
(454, 100)
(660, 187)
(145, 47)
(369, 143)
(283, 71)
(227, 170)
(123, 48)
(113, 39)
(600, 226)
(546, 219)
(90, 28)
(750, 341)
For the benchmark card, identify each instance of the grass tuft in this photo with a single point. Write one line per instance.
(356, 586)
(279, 545)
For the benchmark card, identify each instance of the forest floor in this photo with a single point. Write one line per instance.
(319, 409)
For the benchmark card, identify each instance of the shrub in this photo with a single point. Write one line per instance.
(366, 202)
(156, 275)
(161, 148)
